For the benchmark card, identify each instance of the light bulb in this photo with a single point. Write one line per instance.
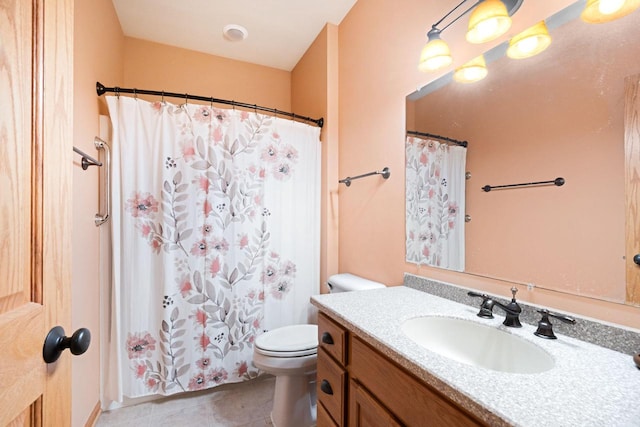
(487, 28)
(601, 11)
(528, 45)
(607, 7)
(472, 71)
(530, 42)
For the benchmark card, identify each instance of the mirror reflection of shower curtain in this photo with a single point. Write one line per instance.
(435, 203)
(216, 238)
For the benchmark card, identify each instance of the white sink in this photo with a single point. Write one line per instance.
(478, 345)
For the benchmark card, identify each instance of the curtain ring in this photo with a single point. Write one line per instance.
(211, 103)
(186, 99)
(135, 94)
(233, 105)
(117, 90)
(162, 99)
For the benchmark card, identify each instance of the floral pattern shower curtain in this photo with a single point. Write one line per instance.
(435, 203)
(215, 240)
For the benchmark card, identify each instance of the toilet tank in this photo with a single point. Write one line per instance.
(347, 282)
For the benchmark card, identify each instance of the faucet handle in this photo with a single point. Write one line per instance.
(486, 307)
(545, 328)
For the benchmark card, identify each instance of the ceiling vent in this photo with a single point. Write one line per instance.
(234, 33)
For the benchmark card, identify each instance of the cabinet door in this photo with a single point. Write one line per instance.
(410, 400)
(366, 411)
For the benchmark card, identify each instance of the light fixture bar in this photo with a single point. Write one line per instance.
(458, 17)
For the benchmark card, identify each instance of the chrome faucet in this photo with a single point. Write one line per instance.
(512, 310)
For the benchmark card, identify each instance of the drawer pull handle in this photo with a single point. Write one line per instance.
(326, 387)
(327, 338)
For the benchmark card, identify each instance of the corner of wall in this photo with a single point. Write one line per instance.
(314, 92)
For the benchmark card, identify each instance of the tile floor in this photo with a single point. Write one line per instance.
(246, 404)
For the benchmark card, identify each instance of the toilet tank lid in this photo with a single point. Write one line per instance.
(350, 282)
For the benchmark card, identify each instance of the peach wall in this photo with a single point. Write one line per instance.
(160, 67)
(379, 45)
(314, 93)
(98, 53)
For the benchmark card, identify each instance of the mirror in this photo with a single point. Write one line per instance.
(557, 114)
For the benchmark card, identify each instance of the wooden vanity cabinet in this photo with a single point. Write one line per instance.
(360, 387)
(331, 380)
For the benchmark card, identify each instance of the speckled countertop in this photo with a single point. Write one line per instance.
(588, 386)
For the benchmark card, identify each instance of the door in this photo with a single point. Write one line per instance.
(632, 187)
(36, 72)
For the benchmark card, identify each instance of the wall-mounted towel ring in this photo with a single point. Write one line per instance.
(386, 173)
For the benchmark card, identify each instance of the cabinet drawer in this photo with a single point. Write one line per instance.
(331, 386)
(332, 338)
(410, 400)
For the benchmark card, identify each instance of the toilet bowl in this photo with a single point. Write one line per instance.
(290, 353)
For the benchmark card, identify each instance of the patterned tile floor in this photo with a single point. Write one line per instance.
(246, 404)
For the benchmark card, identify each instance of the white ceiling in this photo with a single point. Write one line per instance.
(280, 31)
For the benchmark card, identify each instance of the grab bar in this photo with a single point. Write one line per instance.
(102, 218)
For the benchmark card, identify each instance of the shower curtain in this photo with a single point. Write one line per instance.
(435, 203)
(215, 240)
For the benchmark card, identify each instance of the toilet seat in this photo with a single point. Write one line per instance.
(289, 341)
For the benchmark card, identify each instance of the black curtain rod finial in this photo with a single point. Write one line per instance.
(100, 89)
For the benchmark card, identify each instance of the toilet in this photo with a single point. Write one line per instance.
(290, 354)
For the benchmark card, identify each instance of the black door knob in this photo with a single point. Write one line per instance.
(56, 342)
(636, 259)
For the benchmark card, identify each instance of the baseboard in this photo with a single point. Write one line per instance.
(93, 417)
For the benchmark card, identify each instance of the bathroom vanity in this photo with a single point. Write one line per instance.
(371, 373)
(379, 391)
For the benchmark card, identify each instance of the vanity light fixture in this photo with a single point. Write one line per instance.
(530, 42)
(435, 54)
(489, 19)
(600, 11)
(472, 71)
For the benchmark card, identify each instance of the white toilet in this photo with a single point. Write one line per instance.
(290, 353)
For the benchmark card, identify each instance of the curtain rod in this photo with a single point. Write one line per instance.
(102, 89)
(442, 138)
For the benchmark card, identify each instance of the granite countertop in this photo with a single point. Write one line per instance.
(588, 386)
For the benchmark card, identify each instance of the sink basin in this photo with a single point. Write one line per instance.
(477, 344)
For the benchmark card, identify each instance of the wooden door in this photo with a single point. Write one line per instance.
(632, 186)
(36, 60)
